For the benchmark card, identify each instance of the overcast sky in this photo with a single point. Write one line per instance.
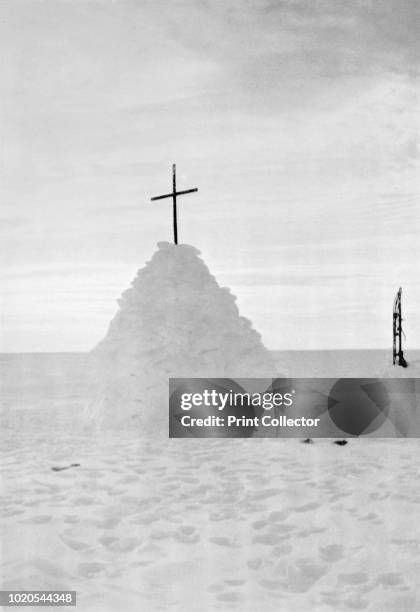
(298, 120)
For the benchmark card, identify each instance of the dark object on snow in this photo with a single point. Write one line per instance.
(340, 442)
(307, 441)
(65, 467)
(397, 332)
(173, 195)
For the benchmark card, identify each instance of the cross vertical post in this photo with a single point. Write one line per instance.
(173, 195)
(174, 203)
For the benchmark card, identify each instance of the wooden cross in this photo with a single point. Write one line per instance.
(173, 195)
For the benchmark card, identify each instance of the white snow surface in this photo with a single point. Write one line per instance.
(251, 525)
(174, 321)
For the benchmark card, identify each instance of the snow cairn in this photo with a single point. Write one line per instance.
(174, 321)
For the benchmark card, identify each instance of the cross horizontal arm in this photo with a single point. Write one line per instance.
(186, 191)
(170, 195)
